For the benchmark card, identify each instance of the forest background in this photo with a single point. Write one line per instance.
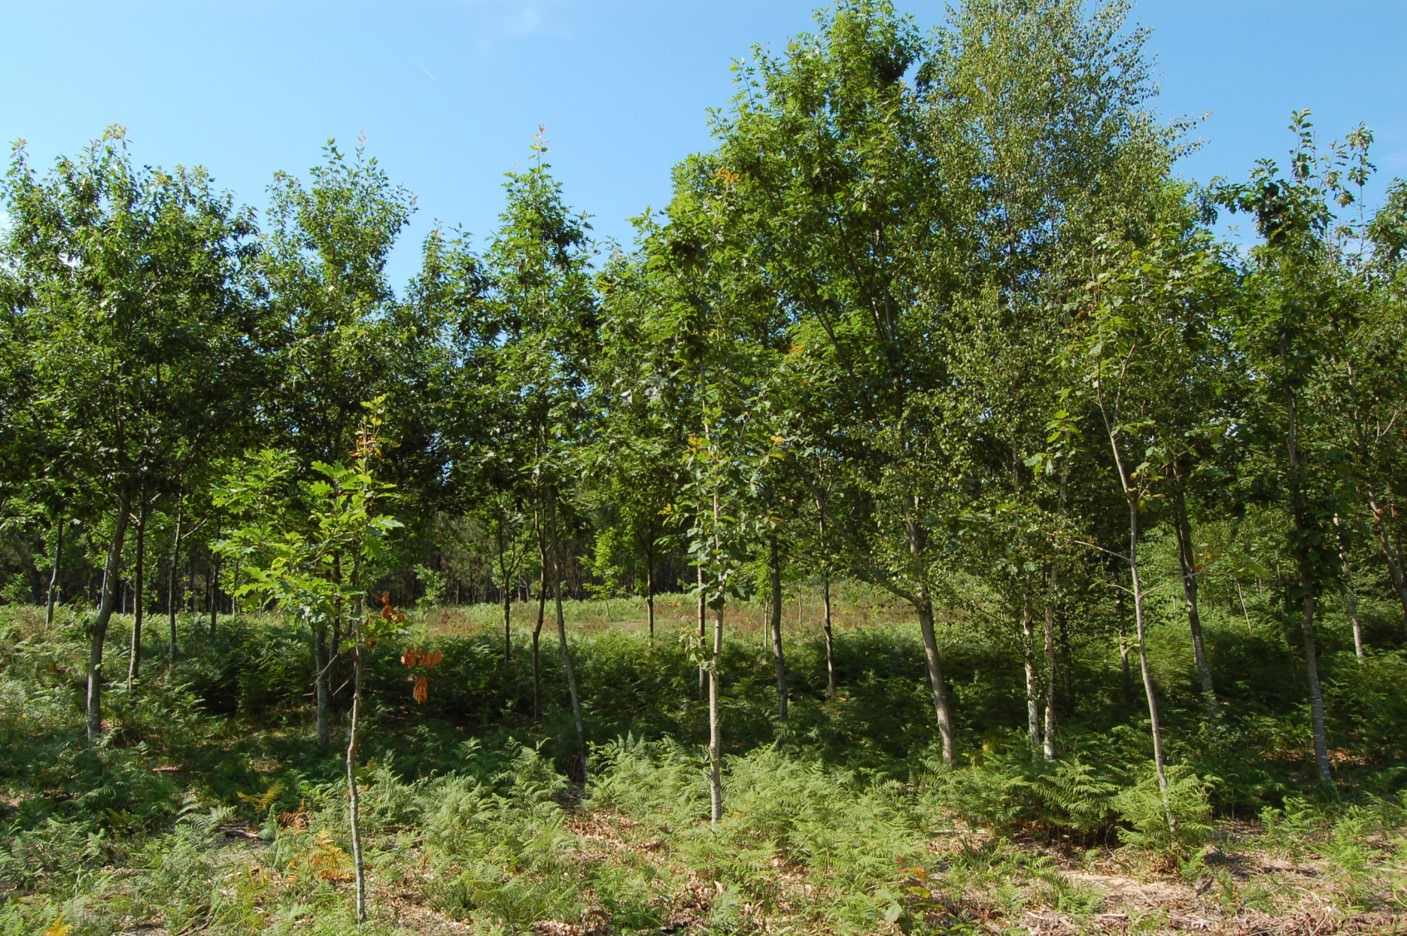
(932, 324)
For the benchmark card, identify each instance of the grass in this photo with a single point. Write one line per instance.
(208, 808)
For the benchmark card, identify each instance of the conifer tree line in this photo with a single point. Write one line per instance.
(935, 312)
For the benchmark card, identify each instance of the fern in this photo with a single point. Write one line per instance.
(262, 803)
(1140, 808)
(1077, 798)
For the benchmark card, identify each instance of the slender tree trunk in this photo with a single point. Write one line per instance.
(53, 593)
(650, 590)
(505, 573)
(941, 707)
(171, 581)
(1131, 495)
(1350, 595)
(1187, 563)
(1155, 729)
(537, 633)
(106, 601)
(1351, 607)
(1311, 665)
(1305, 575)
(139, 598)
(830, 637)
(715, 689)
(923, 604)
(1033, 691)
(322, 679)
(507, 625)
(1048, 739)
(703, 630)
(353, 793)
(774, 570)
(1245, 611)
(215, 587)
(573, 689)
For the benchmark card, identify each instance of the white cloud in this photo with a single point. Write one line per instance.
(499, 22)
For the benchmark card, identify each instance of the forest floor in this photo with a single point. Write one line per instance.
(1243, 891)
(206, 809)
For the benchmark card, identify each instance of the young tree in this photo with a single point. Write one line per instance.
(538, 330)
(1131, 346)
(1296, 300)
(323, 263)
(834, 219)
(142, 345)
(294, 551)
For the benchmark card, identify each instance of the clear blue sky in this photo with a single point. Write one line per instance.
(449, 92)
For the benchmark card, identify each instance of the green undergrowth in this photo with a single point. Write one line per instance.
(207, 807)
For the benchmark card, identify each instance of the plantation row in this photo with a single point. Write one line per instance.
(934, 314)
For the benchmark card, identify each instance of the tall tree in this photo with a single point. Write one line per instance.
(140, 338)
(834, 218)
(1132, 344)
(324, 262)
(539, 326)
(1296, 301)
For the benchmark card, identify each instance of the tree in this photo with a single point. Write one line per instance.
(1369, 381)
(293, 548)
(1131, 346)
(833, 217)
(538, 331)
(641, 426)
(323, 264)
(142, 345)
(1296, 301)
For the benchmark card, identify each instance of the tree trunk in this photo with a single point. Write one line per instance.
(1131, 496)
(650, 591)
(1048, 740)
(1033, 691)
(923, 604)
(505, 573)
(139, 600)
(106, 601)
(215, 587)
(1304, 563)
(1350, 595)
(1311, 666)
(774, 570)
(52, 597)
(573, 690)
(507, 625)
(715, 688)
(353, 793)
(703, 630)
(537, 632)
(1187, 563)
(830, 637)
(171, 581)
(1155, 729)
(322, 679)
(941, 706)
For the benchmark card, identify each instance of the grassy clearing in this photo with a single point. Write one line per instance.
(208, 808)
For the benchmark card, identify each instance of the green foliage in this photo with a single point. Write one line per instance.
(1141, 808)
(434, 584)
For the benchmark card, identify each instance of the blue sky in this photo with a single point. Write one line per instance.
(449, 93)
